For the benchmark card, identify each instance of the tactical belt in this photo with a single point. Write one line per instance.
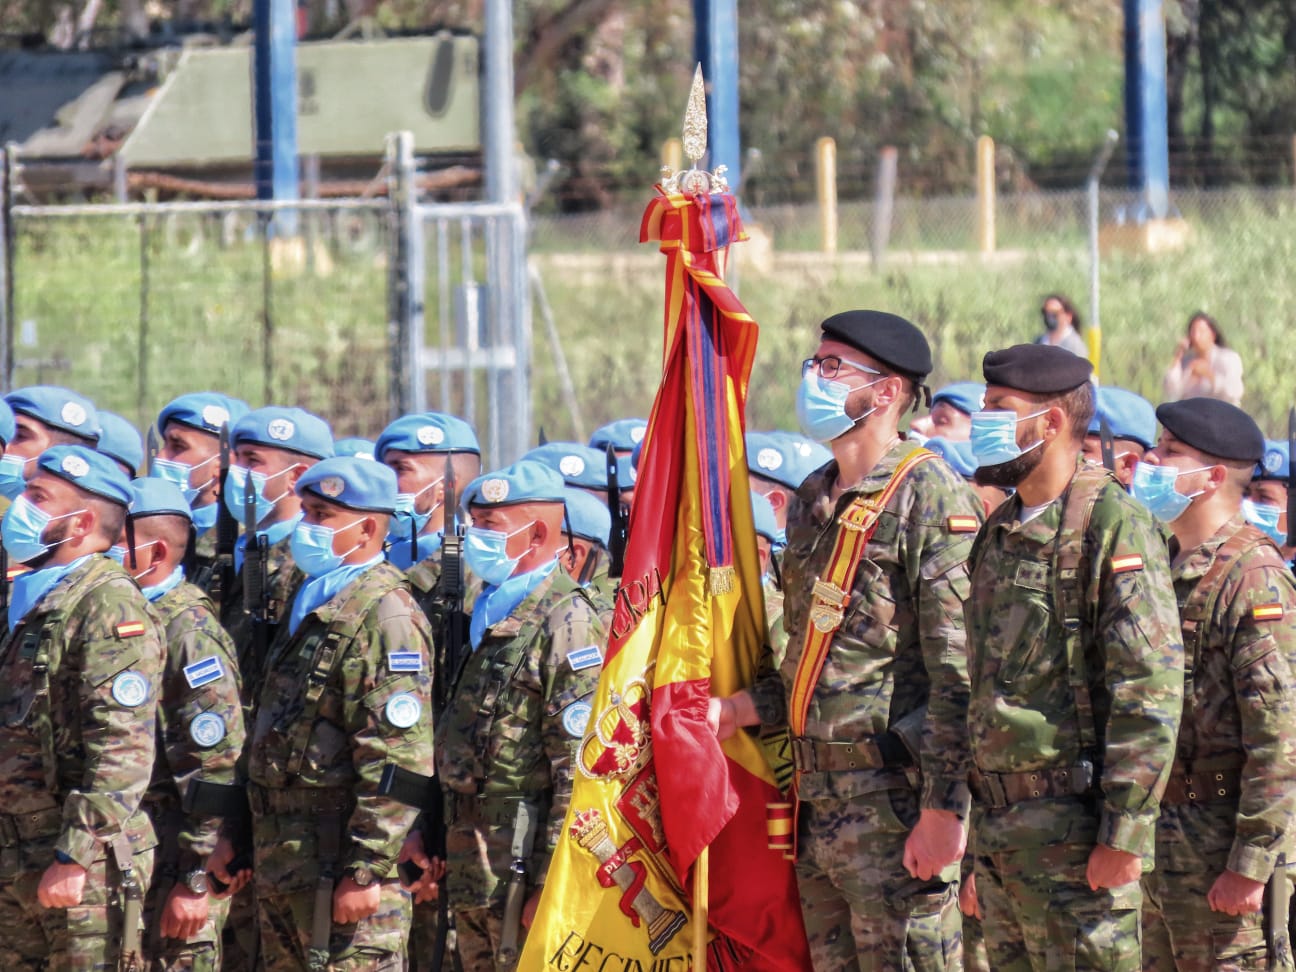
(1207, 786)
(302, 800)
(487, 809)
(883, 751)
(19, 827)
(1005, 789)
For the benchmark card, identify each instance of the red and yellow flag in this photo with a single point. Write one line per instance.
(653, 786)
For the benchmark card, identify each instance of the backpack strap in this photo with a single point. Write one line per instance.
(1075, 591)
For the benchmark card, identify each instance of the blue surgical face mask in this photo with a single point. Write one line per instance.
(24, 525)
(994, 436)
(312, 547)
(236, 485)
(1154, 487)
(821, 406)
(1265, 517)
(399, 527)
(486, 553)
(204, 518)
(181, 473)
(13, 475)
(117, 553)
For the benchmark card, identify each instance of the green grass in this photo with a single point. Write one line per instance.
(79, 283)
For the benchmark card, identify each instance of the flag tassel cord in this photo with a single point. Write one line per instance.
(700, 909)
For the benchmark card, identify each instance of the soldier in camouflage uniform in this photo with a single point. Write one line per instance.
(878, 850)
(1229, 809)
(200, 733)
(79, 676)
(45, 415)
(1077, 678)
(506, 744)
(189, 456)
(1131, 422)
(586, 558)
(417, 448)
(272, 449)
(348, 690)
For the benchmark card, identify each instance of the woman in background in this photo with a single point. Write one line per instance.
(1204, 366)
(1062, 325)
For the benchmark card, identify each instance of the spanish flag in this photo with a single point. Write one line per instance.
(653, 787)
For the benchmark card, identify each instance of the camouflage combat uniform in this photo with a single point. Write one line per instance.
(774, 738)
(334, 710)
(900, 648)
(1072, 736)
(200, 735)
(510, 735)
(76, 746)
(1232, 793)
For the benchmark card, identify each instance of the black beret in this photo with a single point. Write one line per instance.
(1041, 369)
(1213, 427)
(889, 338)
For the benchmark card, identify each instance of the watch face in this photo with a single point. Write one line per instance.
(362, 876)
(196, 881)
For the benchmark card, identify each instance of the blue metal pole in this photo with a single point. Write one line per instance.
(716, 47)
(1148, 142)
(274, 93)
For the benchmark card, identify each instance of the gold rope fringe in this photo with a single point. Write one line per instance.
(721, 580)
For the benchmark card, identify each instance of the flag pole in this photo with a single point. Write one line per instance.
(701, 880)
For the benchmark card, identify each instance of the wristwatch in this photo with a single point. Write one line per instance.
(362, 876)
(196, 881)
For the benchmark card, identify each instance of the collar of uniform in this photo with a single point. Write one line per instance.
(30, 588)
(1198, 560)
(326, 592)
(534, 582)
(817, 489)
(275, 534)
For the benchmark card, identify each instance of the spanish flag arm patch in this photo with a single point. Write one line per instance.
(129, 629)
(962, 524)
(1267, 612)
(13, 572)
(1126, 563)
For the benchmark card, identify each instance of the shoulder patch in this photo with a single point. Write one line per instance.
(207, 729)
(205, 670)
(404, 661)
(575, 719)
(130, 629)
(1267, 612)
(130, 689)
(587, 657)
(17, 571)
(962, 524)
(1126, 563)
(403, 710)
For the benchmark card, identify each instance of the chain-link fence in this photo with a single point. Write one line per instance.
(133, 305)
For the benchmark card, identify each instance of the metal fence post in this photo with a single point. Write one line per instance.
(8, 242)
(141, 377)
(884, 203)
(1091, 187)
(405, 280)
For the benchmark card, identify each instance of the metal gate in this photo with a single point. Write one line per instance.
(463, 315)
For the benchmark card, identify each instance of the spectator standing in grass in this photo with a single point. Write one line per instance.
(1204, 366)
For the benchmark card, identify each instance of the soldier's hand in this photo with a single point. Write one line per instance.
(1234, 894)
(352, 902)
(529, 909)
(725, 716)
(185, 913)
(1111, 868)
(61, 886)
(968, 903)
(937, 840)
(218, 866)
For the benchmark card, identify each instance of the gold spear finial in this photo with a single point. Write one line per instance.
(693, 180)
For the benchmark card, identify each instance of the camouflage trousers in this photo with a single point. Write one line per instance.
(479, 931)
(423, 936)
(1181, 932)
(87, 938)
(201, 953)
(286, 872)
(241, 934)
(1041, 915)
(862, 910)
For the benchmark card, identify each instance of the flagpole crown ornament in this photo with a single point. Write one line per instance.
(694, 181)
